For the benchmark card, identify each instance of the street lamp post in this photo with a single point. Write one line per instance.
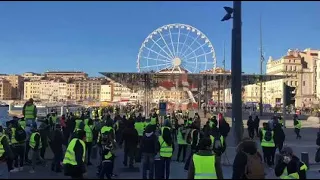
(236, 69)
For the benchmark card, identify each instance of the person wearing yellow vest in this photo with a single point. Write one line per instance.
(107, 157)
(88, 140)
(182, 144)
(53, 120)
(289, 166)
(18, 144)
(218, 144)
(29, 111)
(203, 164)
(193, 139)
(77, 125)
(297, 126)
(166, 151)
(22, 123)
(267, 141)
(6, 154)
(74, 159)
(35, 146)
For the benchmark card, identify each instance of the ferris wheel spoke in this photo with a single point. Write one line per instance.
(185, 67)
(195, 39)
(157, 53)
(156, 59)
(174, 53)
(162, 49)
(195, 50)
(178, 43)
(204, 54)
(185, 42)
(165, 42)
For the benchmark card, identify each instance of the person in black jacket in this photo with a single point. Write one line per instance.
(149, 146)
(280, 136)
(6, 155)
(256, 125)
(44, 130)
(130, 138)
(77, 171)
(56, 141)
(240, 161)
(291, 162)
(194, 141)
(250, 124)
(35, 146)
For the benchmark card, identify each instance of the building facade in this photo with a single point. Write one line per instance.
(88, 89)
(5, 89)
(106, 93)
(16, 82)
(31, 76)
(300, 68)
(66, 75)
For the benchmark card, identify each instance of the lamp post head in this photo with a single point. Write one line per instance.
(228, 16)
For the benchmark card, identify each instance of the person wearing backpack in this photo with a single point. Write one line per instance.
(248, 162)
(18, 143)
(203, 164)
(267, 140)
(193, 139)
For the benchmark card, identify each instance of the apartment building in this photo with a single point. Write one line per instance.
(5, 89)
(318, 77)
(106, 93)
(89, 89)
(66, 75)
(300, 67)
(16, 82)
(31, 76)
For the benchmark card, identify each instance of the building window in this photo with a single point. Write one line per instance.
(303, 83)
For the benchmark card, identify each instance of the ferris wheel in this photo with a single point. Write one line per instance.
(176, 48)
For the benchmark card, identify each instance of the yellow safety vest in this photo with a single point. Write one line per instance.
(165, 150)
(204, 167)
(29, 112)
(153, 121)
(23, 123)
(139, 126)
(2, 151)
(298, 126)
(265, 143)
(198, 138)
(78, 122)
(212, 140)
(180, 138)
(291, 176)
(70, 157)
(285, 171)
(13, 136)
(103, 130)
(89, 135)
(54, 119)
(32, 142)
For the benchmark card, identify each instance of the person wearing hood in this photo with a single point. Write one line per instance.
(247, 149)
(250, 124)
(280, 136)
(44, 130)
(224, 127)
(35, 145)
(130, 138)
(203, 164)
(6, 154)
(149, 147)
(289, 166)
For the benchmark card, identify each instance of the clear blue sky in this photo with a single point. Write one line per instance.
(106, 36)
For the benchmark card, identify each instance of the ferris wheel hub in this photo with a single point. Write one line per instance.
(176, 62)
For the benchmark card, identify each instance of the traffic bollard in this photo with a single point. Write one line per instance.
(305, 158)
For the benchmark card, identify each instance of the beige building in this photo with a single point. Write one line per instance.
(300, 67)
(106, 92)
(66, 75)
(89, 89)
(49, 90)
(16, 82)
(318, 77)
(5, 89)
(31, 76)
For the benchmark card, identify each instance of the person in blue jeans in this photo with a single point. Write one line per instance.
(149, 147)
